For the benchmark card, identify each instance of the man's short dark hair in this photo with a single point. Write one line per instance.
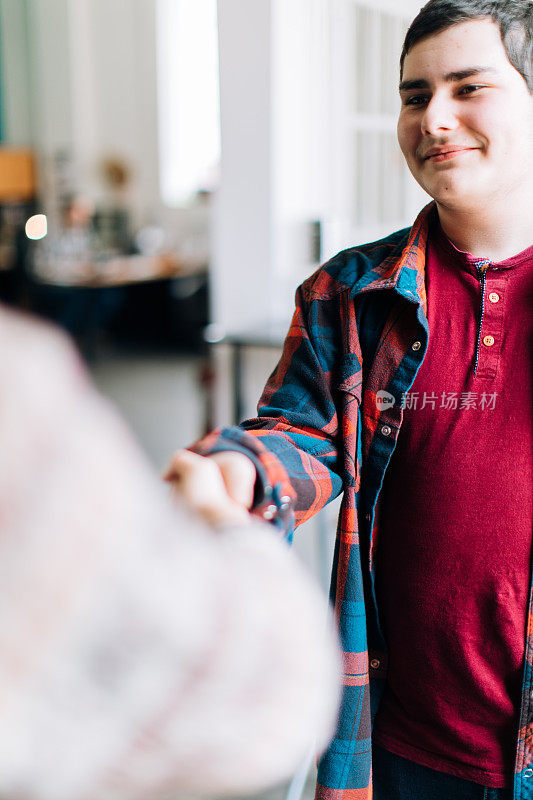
(514, 18)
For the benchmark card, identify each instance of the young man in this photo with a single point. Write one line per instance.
(406, 381)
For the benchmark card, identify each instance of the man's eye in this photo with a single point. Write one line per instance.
(470, 88)
(416, 100)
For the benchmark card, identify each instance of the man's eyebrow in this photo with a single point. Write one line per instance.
(450, 77)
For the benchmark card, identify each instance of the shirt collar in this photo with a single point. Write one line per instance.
(404, 268)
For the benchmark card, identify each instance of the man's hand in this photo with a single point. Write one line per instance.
(220, 487)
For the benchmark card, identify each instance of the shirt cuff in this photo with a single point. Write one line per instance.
(274, 495)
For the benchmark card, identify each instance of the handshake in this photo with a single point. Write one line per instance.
(219, 487)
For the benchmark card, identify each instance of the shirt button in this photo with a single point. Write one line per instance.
(416, 345)
(488, 341)
(270, 512)
(285, 502)
(494, 297)
(386, 431)
(375, 665)
(528, 773)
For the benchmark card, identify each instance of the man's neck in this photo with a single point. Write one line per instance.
(494, 234)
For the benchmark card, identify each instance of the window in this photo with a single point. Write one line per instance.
(373, 192)
(188, 97)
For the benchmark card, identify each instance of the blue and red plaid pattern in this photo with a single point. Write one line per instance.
(360, 326)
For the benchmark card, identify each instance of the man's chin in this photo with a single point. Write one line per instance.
(454, 193)
(459, 202)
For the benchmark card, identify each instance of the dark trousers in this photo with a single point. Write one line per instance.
(397, 778)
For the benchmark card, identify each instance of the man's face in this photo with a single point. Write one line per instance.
(466, 122)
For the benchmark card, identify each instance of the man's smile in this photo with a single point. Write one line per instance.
(437, 154)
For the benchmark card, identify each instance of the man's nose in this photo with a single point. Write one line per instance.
(439, 115)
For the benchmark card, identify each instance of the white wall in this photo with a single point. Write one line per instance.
(302, 118)
(274, 182)
(278, 94)
(14, 68)
(49, 74)
(243, 230)
(120, 78)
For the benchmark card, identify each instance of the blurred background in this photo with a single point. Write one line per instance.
(171, 170)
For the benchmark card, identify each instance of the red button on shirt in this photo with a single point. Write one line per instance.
(455, 537)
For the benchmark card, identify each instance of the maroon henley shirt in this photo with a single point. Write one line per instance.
(453, 560)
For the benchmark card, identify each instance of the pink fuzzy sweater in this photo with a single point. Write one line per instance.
(141, 654)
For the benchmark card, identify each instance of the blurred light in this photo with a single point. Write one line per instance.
(214, 333)
(37, 227)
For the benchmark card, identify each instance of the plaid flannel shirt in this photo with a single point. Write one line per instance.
(360, 327)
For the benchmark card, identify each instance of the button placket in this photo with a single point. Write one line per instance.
(270, 512)
(493, 321)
